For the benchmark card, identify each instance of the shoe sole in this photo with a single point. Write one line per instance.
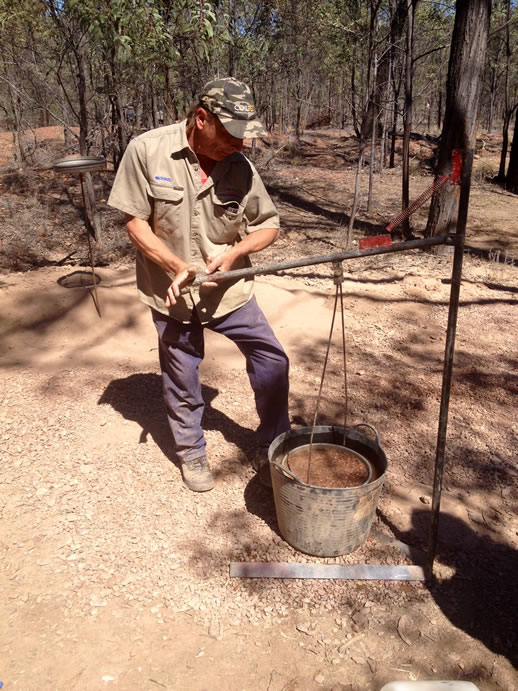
(199, 488)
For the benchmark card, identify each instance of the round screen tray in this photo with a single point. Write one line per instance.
(80, 164)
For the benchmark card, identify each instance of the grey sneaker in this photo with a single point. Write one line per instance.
(261, 465)
(196, 474)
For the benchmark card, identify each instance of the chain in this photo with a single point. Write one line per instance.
(338, 279)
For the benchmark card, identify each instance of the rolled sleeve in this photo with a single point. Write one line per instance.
(260, 211)
(130, 188)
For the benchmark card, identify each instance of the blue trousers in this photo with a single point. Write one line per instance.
(181, 350)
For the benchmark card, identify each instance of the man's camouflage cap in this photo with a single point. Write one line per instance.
(232, 102)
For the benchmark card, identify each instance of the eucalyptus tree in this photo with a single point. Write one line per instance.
(467, 58)
(27, 91)
(433, 29)
(501, 76)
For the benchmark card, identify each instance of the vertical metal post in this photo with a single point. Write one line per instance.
(458, 237)
(94, 277)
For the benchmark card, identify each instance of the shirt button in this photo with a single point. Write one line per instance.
(196, 168)
(195, 212)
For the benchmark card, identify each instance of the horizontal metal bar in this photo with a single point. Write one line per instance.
(321, 259)
(359, 572)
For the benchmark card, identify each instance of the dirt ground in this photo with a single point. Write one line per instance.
(116, 576)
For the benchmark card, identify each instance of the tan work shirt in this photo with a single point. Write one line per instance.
(159, 181)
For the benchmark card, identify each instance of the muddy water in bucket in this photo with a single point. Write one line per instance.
(326, 521)
(330, 465)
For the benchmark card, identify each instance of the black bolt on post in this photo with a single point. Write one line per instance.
(458, 240)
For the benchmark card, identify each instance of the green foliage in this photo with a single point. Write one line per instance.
(301, 58)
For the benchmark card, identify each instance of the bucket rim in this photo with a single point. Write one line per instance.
(334, 429)
(295, 477)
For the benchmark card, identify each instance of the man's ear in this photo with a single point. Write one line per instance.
(202, 116)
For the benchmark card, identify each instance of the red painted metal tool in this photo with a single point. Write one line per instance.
(453, 178)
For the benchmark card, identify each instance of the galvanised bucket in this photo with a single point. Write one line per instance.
(324, 521)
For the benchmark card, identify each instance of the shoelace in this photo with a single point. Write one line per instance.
(196, 464)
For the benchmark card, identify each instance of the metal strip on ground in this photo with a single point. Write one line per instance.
(362, 572)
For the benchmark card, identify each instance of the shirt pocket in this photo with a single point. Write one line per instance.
(167, 206)
(227, 219)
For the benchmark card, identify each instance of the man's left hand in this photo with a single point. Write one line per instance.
(223, 262)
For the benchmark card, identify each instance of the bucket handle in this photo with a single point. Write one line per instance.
(373, 429)
(288, 472)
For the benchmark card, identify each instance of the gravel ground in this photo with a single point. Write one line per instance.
(98, 530)
(114, 575)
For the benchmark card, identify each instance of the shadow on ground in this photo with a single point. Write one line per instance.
(138, 397)
(480, 598)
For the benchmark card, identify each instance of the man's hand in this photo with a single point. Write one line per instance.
(223, 262)
(182, 279)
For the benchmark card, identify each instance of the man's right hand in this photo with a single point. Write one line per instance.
(182, 279)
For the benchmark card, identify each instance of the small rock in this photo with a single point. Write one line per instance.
(320, 678)
(424, 500)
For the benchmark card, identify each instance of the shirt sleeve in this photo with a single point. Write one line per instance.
(130, 187)
(260, 211)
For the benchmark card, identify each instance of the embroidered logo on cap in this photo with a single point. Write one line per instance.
(243, 108)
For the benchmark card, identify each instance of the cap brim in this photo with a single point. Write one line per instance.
(242, 129)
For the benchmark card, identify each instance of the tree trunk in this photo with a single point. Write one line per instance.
(383, 69)
(372, 162)
(232, 32)
(500, 178)
(439, 109)
(407, 113)
(82, 97)
(508, 109)
(467, 55)
(356, 199)
(19, 148)
(354, 114)
(511, 180)
(373, 141)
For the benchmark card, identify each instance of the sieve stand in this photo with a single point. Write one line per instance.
(78, 165)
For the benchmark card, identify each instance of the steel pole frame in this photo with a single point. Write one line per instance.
(319, 259)
(457, 240)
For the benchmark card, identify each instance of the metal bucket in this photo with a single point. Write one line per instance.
(324, 521)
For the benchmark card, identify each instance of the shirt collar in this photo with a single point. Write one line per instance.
(180, 141)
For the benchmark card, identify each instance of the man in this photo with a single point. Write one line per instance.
(188, 192)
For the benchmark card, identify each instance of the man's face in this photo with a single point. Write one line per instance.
(213, 139)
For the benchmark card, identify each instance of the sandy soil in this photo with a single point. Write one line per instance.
(114, 573)
(116, 576)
